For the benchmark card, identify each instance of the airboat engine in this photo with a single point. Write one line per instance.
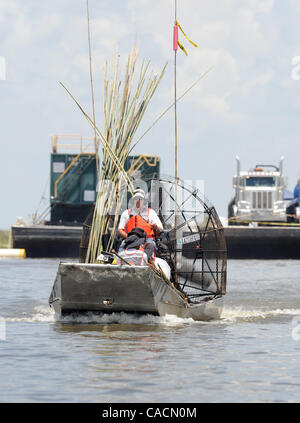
(196, 249)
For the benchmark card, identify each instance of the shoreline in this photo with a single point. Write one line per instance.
(4, 238)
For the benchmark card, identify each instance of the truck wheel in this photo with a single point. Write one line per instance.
(230, 212)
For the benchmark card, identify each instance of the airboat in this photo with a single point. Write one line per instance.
(188, 277)
(195, 254)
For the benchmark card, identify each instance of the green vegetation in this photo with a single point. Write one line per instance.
(4, 238)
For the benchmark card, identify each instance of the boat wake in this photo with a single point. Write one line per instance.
(240, 314)
(40, 313)
(44, 314)
(122, 318)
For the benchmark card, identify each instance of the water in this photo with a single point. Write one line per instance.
(250, 355)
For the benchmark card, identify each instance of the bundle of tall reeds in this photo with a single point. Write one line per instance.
(124, 104)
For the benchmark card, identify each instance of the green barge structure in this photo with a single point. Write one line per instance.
(73, 186)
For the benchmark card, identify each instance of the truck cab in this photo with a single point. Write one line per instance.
(259, 195)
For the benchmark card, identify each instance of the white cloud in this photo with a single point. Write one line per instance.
(296, 5)
(215, 104)
(246, 41)
(259, 81)
(231, 37)
(261, 6)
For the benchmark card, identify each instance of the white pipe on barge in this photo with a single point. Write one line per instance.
(19, 253)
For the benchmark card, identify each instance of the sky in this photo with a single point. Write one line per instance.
(248, 105)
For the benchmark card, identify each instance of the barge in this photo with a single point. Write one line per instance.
(243, 242)
(60, 236)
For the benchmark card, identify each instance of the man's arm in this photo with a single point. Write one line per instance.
(123, 220)
(122, 233)
(155, 222)
(156, 228)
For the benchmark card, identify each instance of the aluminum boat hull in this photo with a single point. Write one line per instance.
(99, 288)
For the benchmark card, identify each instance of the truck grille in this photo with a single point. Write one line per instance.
(262, 200)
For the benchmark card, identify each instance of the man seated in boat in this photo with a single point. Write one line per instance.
(135, 249)
(140, 216)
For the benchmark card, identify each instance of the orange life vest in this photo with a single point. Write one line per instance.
(139, 222)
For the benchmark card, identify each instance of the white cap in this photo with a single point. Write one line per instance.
(138, 193)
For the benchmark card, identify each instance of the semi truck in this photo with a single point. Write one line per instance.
(259, 195)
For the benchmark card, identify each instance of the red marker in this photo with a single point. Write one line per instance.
(175, 38)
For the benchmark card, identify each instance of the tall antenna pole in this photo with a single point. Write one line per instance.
(176, 137)
(92, 89)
